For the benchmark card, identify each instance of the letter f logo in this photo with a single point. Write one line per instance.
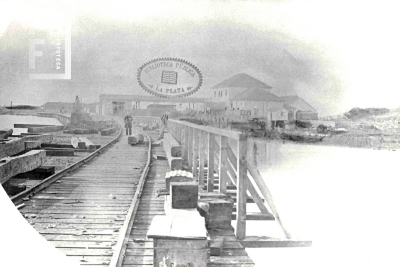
(33, 53)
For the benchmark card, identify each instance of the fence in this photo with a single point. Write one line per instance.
(208, 150)
(63, 118)
(146, 119)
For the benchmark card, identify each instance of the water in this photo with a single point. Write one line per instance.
(8, 121)
(343, 199)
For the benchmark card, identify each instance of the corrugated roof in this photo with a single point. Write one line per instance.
(242, 80)
(115, 97)
(256, 94)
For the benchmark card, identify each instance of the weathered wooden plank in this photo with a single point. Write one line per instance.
(86, 252)
(268, 196)
(268, 242)
(195, 152)
(11, 147)
(171, 145)
(242, 188)
(210, 162)
(45, 129)
(253, 192)
(10, 167)
(256, 216)
(223, 160)
(202, 155)
(60, 153)
(217, 131)
(190, 149)
(230, 260)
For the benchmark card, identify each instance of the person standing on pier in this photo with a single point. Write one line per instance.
(164, 121)
(128, 124)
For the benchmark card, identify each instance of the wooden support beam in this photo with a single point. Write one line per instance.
(223, 160)
(241, 188)
(270, 242)
(216, 131)
(256, 216)
(252, 190)
(172, 145)
(47, 145)
(11, 147)
(60, 153)
(202, 155)
(185, 143)
(45, 129)
(190, 149)
(258, 179)
(210, 162)
(195, 152)
(10, 167)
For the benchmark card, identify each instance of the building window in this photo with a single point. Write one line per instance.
(226, 92)
(215, 93)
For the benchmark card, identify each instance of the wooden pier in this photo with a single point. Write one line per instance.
(99, 210)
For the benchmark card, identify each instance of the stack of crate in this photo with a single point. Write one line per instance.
(180, 237)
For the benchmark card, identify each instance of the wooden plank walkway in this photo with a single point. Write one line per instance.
(139, 252)
(83, 212)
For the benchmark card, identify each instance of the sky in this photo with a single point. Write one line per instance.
(336, 55)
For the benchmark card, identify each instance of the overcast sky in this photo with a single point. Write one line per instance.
(334, 54)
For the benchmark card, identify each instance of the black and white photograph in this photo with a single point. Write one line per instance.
(199, 133)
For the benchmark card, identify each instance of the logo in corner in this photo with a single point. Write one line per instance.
(169, 77)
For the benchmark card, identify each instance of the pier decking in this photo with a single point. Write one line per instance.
(82, 213)
(140, 248)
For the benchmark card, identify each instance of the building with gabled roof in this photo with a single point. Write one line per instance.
(243, 94)
(242, 80)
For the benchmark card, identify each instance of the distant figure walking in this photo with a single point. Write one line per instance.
(164, 121)
(128, 124)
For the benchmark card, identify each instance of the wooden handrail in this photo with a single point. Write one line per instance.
(231, 164)
(267, 194)
(228, 133)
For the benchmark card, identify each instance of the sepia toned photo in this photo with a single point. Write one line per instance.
(182, 133)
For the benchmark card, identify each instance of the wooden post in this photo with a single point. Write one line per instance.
(223, 160)
(267, 194)
(202, 157)
(195, 152)
(185, 145)
(190, 148)
(210, 175)
(241, 188)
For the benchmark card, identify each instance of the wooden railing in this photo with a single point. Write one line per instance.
(63, 118)
(207, 151)
(146, 119)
